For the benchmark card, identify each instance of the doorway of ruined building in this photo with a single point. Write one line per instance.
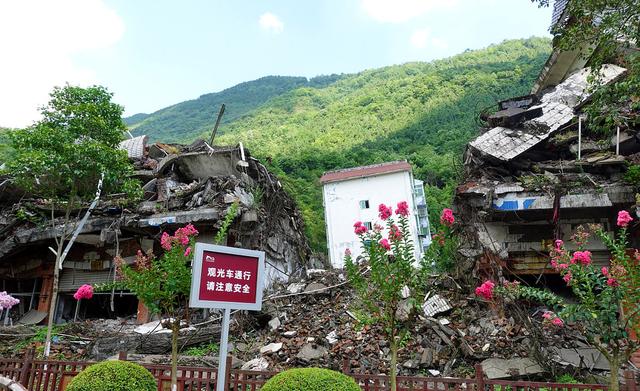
(27, 290)
(125, 306)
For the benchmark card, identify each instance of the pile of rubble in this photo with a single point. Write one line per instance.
(314, 321)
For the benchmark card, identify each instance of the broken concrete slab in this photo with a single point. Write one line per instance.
(271, 348)
(435, 305)
(589, 358)
(500, 368)
(257, 364)
(274, 323)
(310, 352)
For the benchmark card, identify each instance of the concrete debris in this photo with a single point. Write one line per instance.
(332, 337)
(435, 305)
(315, 287)
(589, 358)
(274, 324)
(311, 352)
(498, 368)
(257, 364)
(316, 329)
(271, 348)
(296, 287)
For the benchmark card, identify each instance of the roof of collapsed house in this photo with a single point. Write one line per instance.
(182, 184)
(556, 109)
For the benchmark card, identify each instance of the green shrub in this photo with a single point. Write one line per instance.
(113, 376)
(310, 379)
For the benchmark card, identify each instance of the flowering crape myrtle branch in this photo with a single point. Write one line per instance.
(389, 251)
(607, 304)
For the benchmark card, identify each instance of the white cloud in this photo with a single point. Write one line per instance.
(439, 43)
(421, 38)
(43, 35)
(398, 11)
(271, 22)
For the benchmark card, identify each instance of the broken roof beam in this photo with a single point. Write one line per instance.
(182, 217)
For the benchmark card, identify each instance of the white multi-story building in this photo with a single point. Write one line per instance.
(353, 194)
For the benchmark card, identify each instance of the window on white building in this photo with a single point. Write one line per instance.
(364, 204)
(368, 225)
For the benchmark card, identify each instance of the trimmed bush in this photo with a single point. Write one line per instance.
(310, 379)
(113, 376)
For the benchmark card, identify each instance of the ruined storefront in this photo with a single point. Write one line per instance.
(536, 174)
(182, 184)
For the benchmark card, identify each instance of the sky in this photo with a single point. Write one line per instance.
(155, 53)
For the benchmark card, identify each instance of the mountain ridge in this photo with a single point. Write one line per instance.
(424, 112)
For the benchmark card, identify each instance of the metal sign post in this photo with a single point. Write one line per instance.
(227, 278)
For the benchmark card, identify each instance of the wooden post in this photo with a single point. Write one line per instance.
(26, 368)
(227, 371)
(122, 355)
(630, 381)
(345, 366)
(479, 377)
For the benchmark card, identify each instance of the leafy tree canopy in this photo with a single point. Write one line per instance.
(605, 32)
(63, 155)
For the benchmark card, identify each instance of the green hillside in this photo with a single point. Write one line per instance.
(423, 112)
(187, 120)
(5, 147)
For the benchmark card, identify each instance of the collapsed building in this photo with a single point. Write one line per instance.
(194, 184)
(537, 172)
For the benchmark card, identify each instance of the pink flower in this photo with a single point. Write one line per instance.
(384, 211)
(582, 257)
(447, 217)
(624, 218)
(7, 301)
(559, 243)
(605, 271)
(557, 322)
(84, 292)
(377, 227)
(612, 282)
(347, 252)
(548, 315)
(395, 233)
(187, 252)
(359, 228)
(403, 209)
(165, 241)
(142, 261)
(567, 278)
(486, 290)
(384, 243)
(562, 266)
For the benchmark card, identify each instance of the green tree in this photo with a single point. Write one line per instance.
(64, 156)
(386, 289)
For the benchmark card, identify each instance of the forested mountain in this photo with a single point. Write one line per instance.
(423, 112)
(187, 120)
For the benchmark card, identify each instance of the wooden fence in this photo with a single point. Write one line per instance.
(39, 375)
